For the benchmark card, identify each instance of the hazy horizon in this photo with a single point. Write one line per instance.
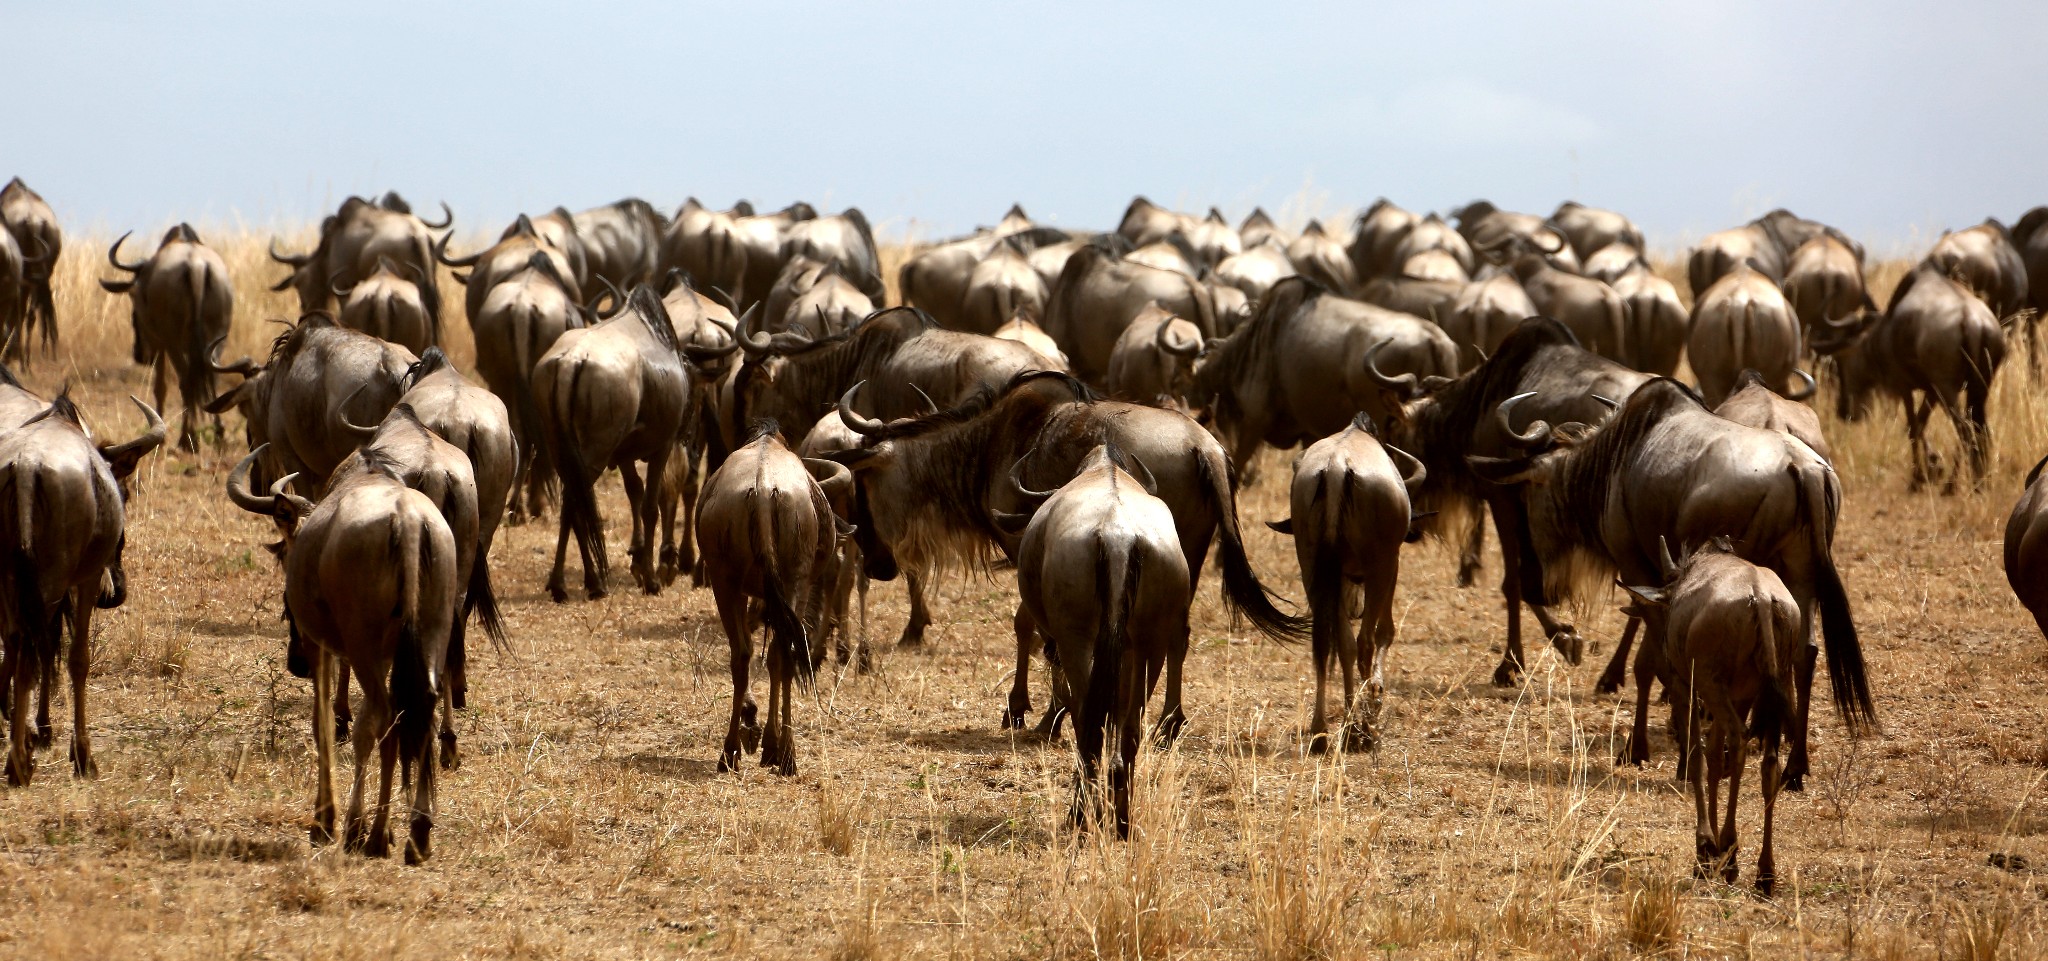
(1891, 120)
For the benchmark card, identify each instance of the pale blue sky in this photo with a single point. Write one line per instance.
(1889, 119)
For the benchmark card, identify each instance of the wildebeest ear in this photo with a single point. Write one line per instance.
(1648, 597)
(1501, 470)
(227, 399)
(1284, 525)
(117, 286)
(1011, 524)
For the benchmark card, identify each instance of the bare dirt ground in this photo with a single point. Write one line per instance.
(588, 820)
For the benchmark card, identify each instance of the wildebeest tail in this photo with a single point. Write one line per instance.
(1325, 581)
(1241, 588)
(526, 412)
(1847, 678)
(1113, 637)
(195, 375)
(785, 627)
(578, 479)
(482, 601)
(413, 696)
(1775, 703)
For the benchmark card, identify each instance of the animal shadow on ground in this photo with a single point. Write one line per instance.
(969, 740)
(677, 768)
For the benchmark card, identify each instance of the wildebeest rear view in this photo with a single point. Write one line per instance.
(1291, 486)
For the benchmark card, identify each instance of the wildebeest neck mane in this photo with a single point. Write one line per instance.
(1249, 348)
(430, 361)
(970, 411)
(1448, 420)
(654, 317)
(815, 374)
(1583, 478)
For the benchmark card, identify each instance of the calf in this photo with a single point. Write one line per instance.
(1351, 514)
(1728, 635)
(1100, 570)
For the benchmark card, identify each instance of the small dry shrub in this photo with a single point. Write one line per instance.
(1653, 922)
(837, 826)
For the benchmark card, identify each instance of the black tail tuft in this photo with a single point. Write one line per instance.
(1242, 591)
(413, 697)
(1846, 676)
(482, 600)
(785, 628)
(578, 483)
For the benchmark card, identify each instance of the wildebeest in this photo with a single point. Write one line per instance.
(1022, 329)
(180, 303)
(1664, 468)
(1594, 312)
(1428, 299)
(1259, 229)
(1374, 239)
(1307, 362)
(768, 534)
(1657, 321)
(1937, 344)
(1319, 258)
(816, 299)
(1172, 254)
(1824, 280)
(1097, 296)
(846, 575)
(1484, 225)
(1742, 321)
(1985, 260)
(1590, 229)
(370, 582)
(1463, 417)
(706, 244)
(513, 255)
(1255, 270)
(1728, 633)
(2026, 547)
(1145, 222)
(2032, 243)
(1154, 360)
(1435, 265)
(1000, 287)
(1769, 240)
(1752, 402)
(621, 242)
(388, 305)
(612, 395)
(1483, 314)
(318, 377)
(1350, 516)
(1101, 574)
(520, 321)
(351, 242)
(62, 529)
(33, 226)
(844, 240)
(931, 486)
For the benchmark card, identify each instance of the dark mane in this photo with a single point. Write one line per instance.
(62, 408)
(818, 371)
(394, 203)
(761, 427)
(288, 343)
(430, 361)
(1581, 483)
(1454, 413)
(7, 377)
(1250, 346)
(1749, 377)
(980, 402)
(654, 316)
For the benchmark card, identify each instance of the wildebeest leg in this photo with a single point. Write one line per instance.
(1796, 767)
(558, 581)
(1639, 730)
(451, 692)
(1469, 560)
(1132, 693)
(81, 740)
(46, 732)
(1564, 637)
(1020, 685)
(741, 731)
(863, 660)
(418, 845)
(649, 517)
(1731, 747)
(1090, 717)
(1916, 431)
(1766, 865)
(1617, 666)
(643, 509)
(1510, 668)
(785, 679)
(342, 715)
(1172, 718)
(324, 666)
(356, 833)
(378, 730)
(675, 484)
(771, 729)
(21, 762)
(920, 616)
(1375, 643)
(1972, 435)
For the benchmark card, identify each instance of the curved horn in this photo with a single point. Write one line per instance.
(1539, 431)
(1810, 385)
(837, 478)
(1410, 466)
(1017, 478)
(41, 258)
(1178, 348)
(1610, 403)
(340, 292)
(1665, 565)
(704, 356)
(929, 406)
(1405, 383)
(113, 256)
(1554, 232)
(441, 254)
(341, 414)
(447, 217)
(289, 260)
(864, 426)
(245, 367)
(238, 486)
(151, 438)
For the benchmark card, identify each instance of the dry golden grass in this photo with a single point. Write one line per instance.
(588, 821)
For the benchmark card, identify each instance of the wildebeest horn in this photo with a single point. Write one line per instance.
(864, 426)
(1410, 466)
(1608, 402)
(1177, 348)
(447, 217)
(289, 260)
(341, 414)
(441, 253)
(1554, 232)
(113, 256)
(704, 356)
(1810, 385)
(151, 438)
(238, 486)
(1404, 383)
(245, 367)
(1017, 478)
(833, 477)
(1665, 565)
(41, 257)
(1538, 434)
(929, 406)
(341, 293)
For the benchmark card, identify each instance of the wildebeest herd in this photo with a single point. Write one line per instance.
(1080, 405)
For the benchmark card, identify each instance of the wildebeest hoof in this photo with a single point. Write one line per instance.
(451, 758)
(1766, 883)
(1013, 719)
(1319, 742)
(420, 846)
(1506, 675)
(43, 737)
(595, 593)
(728, 760)
(320, 835)
(1795, 783)
(82, 764)
(341, 722)
(1568, 643)
(377, 845)
(1358, 738)
(558, 593)
(750, 739)
(20, 772)
(1169, 728)
(1468, 574)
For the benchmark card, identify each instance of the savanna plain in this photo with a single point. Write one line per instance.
(588, 819)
